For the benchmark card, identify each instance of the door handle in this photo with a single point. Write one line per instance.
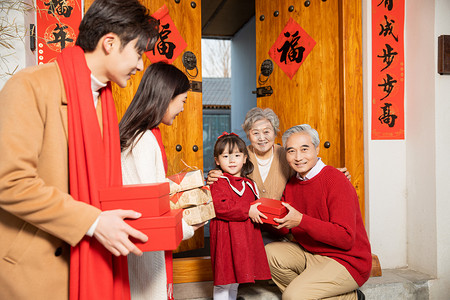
(263, 91)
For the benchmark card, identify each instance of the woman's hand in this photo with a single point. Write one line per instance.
(346, 173)
(255, 215)
(197, 226)
(213, 176)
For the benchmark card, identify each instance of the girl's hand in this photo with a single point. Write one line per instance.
(213, 176)
(291, 220)
(255, 215)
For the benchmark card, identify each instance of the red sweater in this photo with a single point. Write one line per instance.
(331, 225)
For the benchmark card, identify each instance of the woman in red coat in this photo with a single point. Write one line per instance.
(237, 249)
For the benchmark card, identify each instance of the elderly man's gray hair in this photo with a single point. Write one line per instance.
(304, 128)
(256, 114)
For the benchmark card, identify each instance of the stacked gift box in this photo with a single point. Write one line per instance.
(187, 192)
(160, 223)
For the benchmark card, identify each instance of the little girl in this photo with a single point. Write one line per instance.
(237, 249)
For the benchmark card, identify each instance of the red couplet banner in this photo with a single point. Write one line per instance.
(388, 70)
(57, 25)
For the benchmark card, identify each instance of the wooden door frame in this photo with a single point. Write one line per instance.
(351, 82)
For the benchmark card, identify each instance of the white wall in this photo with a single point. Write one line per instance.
(243, 75)
(420, 64)
(407, 181)
(442, 137)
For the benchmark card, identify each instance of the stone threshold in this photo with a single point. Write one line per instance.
(398, 284)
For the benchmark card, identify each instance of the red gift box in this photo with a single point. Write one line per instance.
(271, 208)
(150, 200)
(164, 232)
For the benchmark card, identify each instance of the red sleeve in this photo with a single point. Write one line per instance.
(226, 204)
(340, 230)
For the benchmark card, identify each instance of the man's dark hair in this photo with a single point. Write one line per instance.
(127, 18)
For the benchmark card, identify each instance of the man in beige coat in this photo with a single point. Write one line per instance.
(39, 220)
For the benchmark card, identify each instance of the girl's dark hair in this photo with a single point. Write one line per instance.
(160, 84)
(129, 19)
(233, 141)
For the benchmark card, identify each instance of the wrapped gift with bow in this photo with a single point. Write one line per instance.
(185, 181)
(197, 204)
(199, 214)
(193, 197)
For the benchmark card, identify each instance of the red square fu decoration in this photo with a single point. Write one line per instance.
(291, 48)
(170, 43)
(271, 208)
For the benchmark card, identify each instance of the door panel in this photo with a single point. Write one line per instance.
(326, 91)
(312, 96)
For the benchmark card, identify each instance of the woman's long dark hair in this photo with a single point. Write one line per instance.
(160, 84)
(233, 141)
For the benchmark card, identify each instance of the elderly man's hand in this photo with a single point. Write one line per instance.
(291, 220)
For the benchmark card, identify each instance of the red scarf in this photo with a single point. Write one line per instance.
(167, 254)
(94, 163)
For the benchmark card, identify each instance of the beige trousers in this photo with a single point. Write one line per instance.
(302, 275)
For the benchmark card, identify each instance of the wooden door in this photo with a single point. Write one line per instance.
(186, 131)
(326, 90)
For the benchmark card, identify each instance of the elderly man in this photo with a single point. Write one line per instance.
(330, 256)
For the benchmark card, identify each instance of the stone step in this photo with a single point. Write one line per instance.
(401, 284)
(398, 284)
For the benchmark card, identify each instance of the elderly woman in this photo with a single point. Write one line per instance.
(271, 170)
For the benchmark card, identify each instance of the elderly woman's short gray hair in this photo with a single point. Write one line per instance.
(304, 128)
(256, 114)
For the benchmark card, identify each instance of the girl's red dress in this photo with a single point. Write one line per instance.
(237, 248)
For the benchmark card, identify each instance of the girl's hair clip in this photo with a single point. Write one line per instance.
(226, 133)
